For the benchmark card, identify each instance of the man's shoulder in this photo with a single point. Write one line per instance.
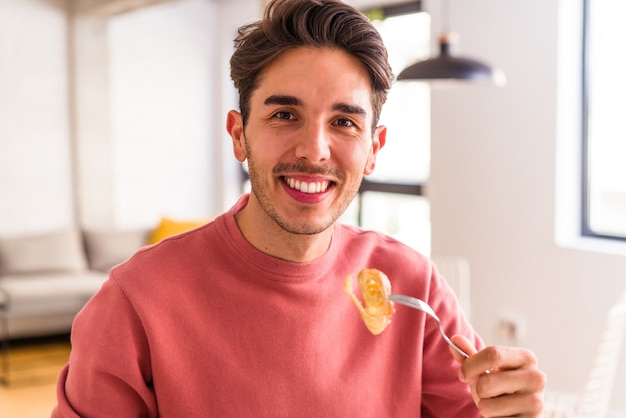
(170, 252)
(351, 233)
(379, 245)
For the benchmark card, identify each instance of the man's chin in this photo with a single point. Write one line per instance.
(308, 228)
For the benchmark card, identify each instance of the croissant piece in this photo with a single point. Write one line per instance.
(375, 288)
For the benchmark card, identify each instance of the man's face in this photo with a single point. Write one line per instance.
(308, 139)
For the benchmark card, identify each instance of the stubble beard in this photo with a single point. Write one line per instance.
(260, 189)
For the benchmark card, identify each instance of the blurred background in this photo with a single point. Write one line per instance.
(112, 116)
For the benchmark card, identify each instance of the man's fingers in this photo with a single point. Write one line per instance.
(518, 405)
(498, 358)
(491, 385)
(505, 381)
(465, 345)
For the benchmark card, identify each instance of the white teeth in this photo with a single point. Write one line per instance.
(304, 187)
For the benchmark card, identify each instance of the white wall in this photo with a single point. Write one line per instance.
(35, 166)
(140, 98)
(169, 91)
(494, 185)
(163, 109)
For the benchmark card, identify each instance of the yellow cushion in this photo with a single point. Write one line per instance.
(169, 227)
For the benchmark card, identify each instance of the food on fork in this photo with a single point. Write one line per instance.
(375, 289)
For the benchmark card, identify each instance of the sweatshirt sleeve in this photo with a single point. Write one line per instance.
(444, 395)
(109, 372)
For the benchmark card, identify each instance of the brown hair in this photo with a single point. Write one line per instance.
(316, 23)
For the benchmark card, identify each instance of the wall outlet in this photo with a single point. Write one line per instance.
(512, 328)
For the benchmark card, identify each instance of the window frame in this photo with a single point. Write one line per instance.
(585, 225)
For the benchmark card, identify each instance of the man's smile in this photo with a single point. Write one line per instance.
(307, 187)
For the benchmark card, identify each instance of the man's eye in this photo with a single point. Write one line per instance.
(283, 115)
(345, 123)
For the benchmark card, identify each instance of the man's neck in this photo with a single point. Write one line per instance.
(267, 236)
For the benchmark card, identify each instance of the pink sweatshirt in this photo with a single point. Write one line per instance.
(204, 325)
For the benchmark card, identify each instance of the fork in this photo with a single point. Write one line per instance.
(420, 305)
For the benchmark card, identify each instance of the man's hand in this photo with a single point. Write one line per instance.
(505, 381)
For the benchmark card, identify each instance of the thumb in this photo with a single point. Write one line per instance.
(464, 344)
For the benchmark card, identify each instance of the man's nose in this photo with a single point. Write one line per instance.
(314, 144)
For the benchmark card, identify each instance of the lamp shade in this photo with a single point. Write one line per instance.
(449, 68)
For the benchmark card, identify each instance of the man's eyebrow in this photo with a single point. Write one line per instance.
(347, 108)
(285, 100)
(282, 100)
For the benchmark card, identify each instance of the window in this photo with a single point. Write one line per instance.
(604, 130)
(390, 200)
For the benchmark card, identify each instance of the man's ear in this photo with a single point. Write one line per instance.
(378, 141)
(234, 127)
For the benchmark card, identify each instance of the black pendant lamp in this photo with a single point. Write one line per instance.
(448, 68)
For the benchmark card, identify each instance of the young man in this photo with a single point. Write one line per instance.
(247, 316)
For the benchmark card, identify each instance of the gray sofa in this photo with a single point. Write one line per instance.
(46, 279)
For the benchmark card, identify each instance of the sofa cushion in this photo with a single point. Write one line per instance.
(47, 293)
(107, 248)
(54, 251)
(168, 227)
